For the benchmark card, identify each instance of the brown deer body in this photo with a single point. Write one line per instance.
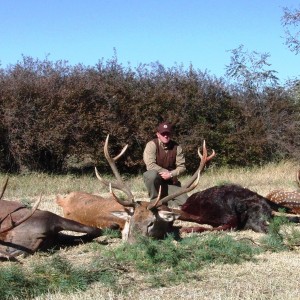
(134, 217)
(24, 231)
(288, 199)
(40, 230)
(92, 210)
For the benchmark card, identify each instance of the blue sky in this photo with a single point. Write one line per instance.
(197, 32)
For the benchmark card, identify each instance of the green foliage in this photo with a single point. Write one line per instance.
(251, 70)
(110, 233)
(161, 262)
(269, 116)
(274, 240)
(276, 224)
(282, 235)
(26, 202)
(292, 238)
(178, 260)
(57, 274)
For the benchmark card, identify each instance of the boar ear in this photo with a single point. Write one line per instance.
(241, 206)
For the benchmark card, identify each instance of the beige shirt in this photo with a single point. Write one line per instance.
(149, 157)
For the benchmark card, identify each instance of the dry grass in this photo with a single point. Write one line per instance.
(272, 276)
(259, 179)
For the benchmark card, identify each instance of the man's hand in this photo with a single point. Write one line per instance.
(166, 175)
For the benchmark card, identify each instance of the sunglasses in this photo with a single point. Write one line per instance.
(165, 134)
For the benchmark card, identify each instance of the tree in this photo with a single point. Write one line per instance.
(291, 22)
(251, 70)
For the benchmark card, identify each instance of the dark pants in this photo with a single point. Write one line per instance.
(153, 181)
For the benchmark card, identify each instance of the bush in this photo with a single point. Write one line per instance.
(54, 117)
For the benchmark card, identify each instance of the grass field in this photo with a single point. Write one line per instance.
(267, 275)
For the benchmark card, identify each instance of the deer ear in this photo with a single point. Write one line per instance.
(120, 214)
(59, 199)
(123, 214)
(168, 216)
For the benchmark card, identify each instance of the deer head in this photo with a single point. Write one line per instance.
(27, 216)
(142, 217)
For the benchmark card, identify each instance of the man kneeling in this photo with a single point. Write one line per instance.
(164, 161)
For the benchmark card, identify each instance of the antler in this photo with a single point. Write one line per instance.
(119, 183)
(4, 188)
(192, 182)
(203, 160)
(160, 202)
(27, 216)
(298, 177)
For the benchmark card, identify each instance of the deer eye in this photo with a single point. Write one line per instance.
(150, 224)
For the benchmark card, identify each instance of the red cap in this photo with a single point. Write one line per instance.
(164, 127)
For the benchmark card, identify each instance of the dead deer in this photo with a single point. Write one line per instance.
(153, 219)
(290, 200)
(24, 230)
(23, 219)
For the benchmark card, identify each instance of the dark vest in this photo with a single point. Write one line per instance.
(166, 160)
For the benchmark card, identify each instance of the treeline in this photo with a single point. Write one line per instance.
(55, 117)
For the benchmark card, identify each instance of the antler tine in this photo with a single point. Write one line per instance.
(107, 183)
(297, 178)
(207, 158)
(121, 153)
(111, 161)
(27, 216)
(204, 150)
(122, 202)
(213, 154)
(4, 188)
(203, 160)
(119, 183)
(155, 204)
(36, 204)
